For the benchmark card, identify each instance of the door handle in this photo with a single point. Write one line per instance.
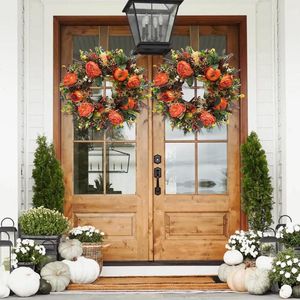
(157, 175)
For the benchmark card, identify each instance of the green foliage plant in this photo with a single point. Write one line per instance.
(43, 221)
(48, 185)
(257, 189)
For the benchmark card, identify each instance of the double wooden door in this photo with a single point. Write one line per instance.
(109, 176)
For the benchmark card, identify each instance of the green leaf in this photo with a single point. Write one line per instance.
(98, 81)
(190, 81)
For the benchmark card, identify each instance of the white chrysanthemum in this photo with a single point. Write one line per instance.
(289, 262)
(287, 275)
(278, 263)
(295, 260)
(281, 272)
(298, 278)
(283, 265)
(294, 270)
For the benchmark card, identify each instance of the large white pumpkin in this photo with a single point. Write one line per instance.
(236, 279)
(57, 274)
(24, 282)
(233, 257)
(257, 282)
(70, 249)
(224, 271)
(83, 270)
(264, 262)
(4, 291)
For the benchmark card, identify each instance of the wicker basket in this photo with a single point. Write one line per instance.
(93, 251)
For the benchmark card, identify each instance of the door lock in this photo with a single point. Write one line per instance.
(157, 159)
(157, 175)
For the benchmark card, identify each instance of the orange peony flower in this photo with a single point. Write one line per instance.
(92, 69)
(222, 105)
(226, 81)
(133, 82)
(115, 118)
(161, 79)
(130, 104)
(85, 109)
(70, 79)
(184, 69)
(212, 74)
(176, 110)
(76, 96)
(207, 118)
(167, 96)
(120, 74)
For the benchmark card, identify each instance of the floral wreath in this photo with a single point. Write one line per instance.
(221, 89)
(98, 111)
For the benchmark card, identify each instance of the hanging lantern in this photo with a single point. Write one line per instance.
(151, 24)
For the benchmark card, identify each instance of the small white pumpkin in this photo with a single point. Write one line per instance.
(233, 257)
(285, 291)
(70, 249)
(4, 291)
(57, 274)
(224, 271)
(264, 262)
(257, 282)
(83, 270)
(24, 282)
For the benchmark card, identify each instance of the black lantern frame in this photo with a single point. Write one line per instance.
(151, 23)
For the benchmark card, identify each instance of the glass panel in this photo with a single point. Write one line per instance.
(213, 41)
(121, 42)
(179, 41)
(212, 168)
(215, 133)
(88, 134)
(122, 134)
(180, 168)
(88, 168)
(84, 43)
(187, 93)
(176, 134)
(121, 171)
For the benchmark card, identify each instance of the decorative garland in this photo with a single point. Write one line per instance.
(221, 89)
(100, 112)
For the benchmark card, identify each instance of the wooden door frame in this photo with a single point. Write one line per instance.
(59, 21)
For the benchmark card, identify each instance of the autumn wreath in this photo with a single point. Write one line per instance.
(221, 89)
(97, 111)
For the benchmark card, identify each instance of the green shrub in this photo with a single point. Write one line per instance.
(256, 184)
(48, 185)
(43, 221)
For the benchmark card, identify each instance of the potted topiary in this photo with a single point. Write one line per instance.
(44, 226)
(91, 240)
(27, 254)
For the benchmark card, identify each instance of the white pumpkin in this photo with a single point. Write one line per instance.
(257, 282)
(83, 270)
(285, 291)
(57, 274)
(236, 279)
(233, 257)
(264, 262)
(70, 249)
(224, 270)
(24, 282)
(4, 291)
(4, 276)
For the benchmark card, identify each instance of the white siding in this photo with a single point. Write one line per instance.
(262, 76)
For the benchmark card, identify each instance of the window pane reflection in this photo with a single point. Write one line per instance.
(212, 168)
(176, 134)
(84, 43)
(180, 168)
(215, 133)
(121, 134)
(213, 41)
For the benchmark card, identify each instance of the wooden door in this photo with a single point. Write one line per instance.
(109, 175)
(199, 205)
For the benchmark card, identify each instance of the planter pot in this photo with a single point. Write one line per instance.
(49, 242)
(93, 251)
(27, 264)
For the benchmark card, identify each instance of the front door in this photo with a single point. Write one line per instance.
(109, 176)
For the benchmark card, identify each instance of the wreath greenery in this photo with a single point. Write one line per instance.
(98, 111)
(221, 89)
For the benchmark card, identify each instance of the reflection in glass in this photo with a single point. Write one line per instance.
(212, 168)
(180, 168)
(84, 43)
(88, 168)
(187, 93)
(176, 134)
(88, 134)
(121, 42)
(121, 169)
(121, 134)
(216, 133)
(213, 41)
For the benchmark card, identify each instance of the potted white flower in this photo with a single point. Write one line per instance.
(289, 236)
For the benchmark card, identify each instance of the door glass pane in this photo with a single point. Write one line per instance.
(122, 134)
(88, 168)
(121, 42)
(179, 41)
(213, 41)
(88, 134)
(121, 168)
(215, 133)
(84, 43)
(212, 168)
(180, 168)
(176, 134)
